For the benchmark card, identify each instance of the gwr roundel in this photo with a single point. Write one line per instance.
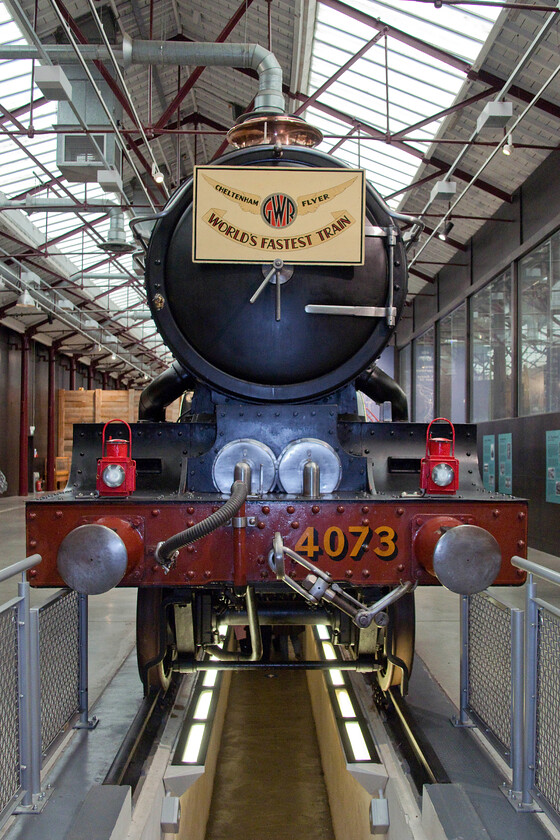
(279, 210)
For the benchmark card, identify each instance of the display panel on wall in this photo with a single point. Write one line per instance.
(492, 350)
(539, 329)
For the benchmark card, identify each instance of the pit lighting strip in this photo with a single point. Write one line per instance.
(192, 746)
(352, 724)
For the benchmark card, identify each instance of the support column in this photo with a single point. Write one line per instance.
(104, 380)
(24, 416)
(51, 457)
(90, 376)
(72, 373)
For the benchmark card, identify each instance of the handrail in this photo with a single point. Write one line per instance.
(536, 569)
(540, 602)
(20, 566)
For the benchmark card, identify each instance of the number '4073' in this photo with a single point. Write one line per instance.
(337, 544)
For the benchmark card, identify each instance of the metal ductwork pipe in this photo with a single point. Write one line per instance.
(380, 387)
(168, 386)
(269, 98)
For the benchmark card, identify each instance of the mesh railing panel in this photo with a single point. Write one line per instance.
(490, 666)
(547, 765)
(59, 662)
(9, 715)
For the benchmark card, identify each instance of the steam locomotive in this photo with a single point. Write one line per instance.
(276, 276)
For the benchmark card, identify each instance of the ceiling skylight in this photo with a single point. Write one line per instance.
(419, 85)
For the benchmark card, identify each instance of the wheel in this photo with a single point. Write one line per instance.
(150, 624)
(398, 642)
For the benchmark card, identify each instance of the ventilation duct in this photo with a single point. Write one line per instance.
(269, 98)
(76, 155)
(182, 53)
(116, 238)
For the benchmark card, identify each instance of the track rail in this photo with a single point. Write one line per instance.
(142, 733)
(425, 766)
(416, 751)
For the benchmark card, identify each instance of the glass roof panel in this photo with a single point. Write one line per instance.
(418, 85)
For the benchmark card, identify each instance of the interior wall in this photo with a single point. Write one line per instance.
(9, 406)
(529, 473)
(533, 215)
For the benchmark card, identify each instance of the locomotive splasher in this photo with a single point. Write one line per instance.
(276, 277)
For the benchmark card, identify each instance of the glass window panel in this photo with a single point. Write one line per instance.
(405, 373)
(453, 365)
(424, 377)
(492, 337)
(539, 327)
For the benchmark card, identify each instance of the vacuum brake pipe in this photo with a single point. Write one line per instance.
(167, 550)
(168, 386)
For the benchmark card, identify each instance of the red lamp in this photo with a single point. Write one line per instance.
(440, 468)
(116, 471)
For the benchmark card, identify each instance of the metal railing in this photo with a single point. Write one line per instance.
(43, 685)
(510, 687)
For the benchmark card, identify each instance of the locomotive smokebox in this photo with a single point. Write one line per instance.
(92, 559)
(276, 275)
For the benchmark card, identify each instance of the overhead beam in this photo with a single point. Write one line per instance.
(352, 60)
(25, 109)
(197, 72)
(224, 144)
(7, 115)
(414, 184)
(446, 112)
(515, 90)
(342, 140)
(481, 184)
(442, 55)
(421, 275)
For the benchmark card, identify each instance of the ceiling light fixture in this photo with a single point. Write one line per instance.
(157, 175)
(25, 302)
(508, 147)
(495, 114)
(446, 230)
